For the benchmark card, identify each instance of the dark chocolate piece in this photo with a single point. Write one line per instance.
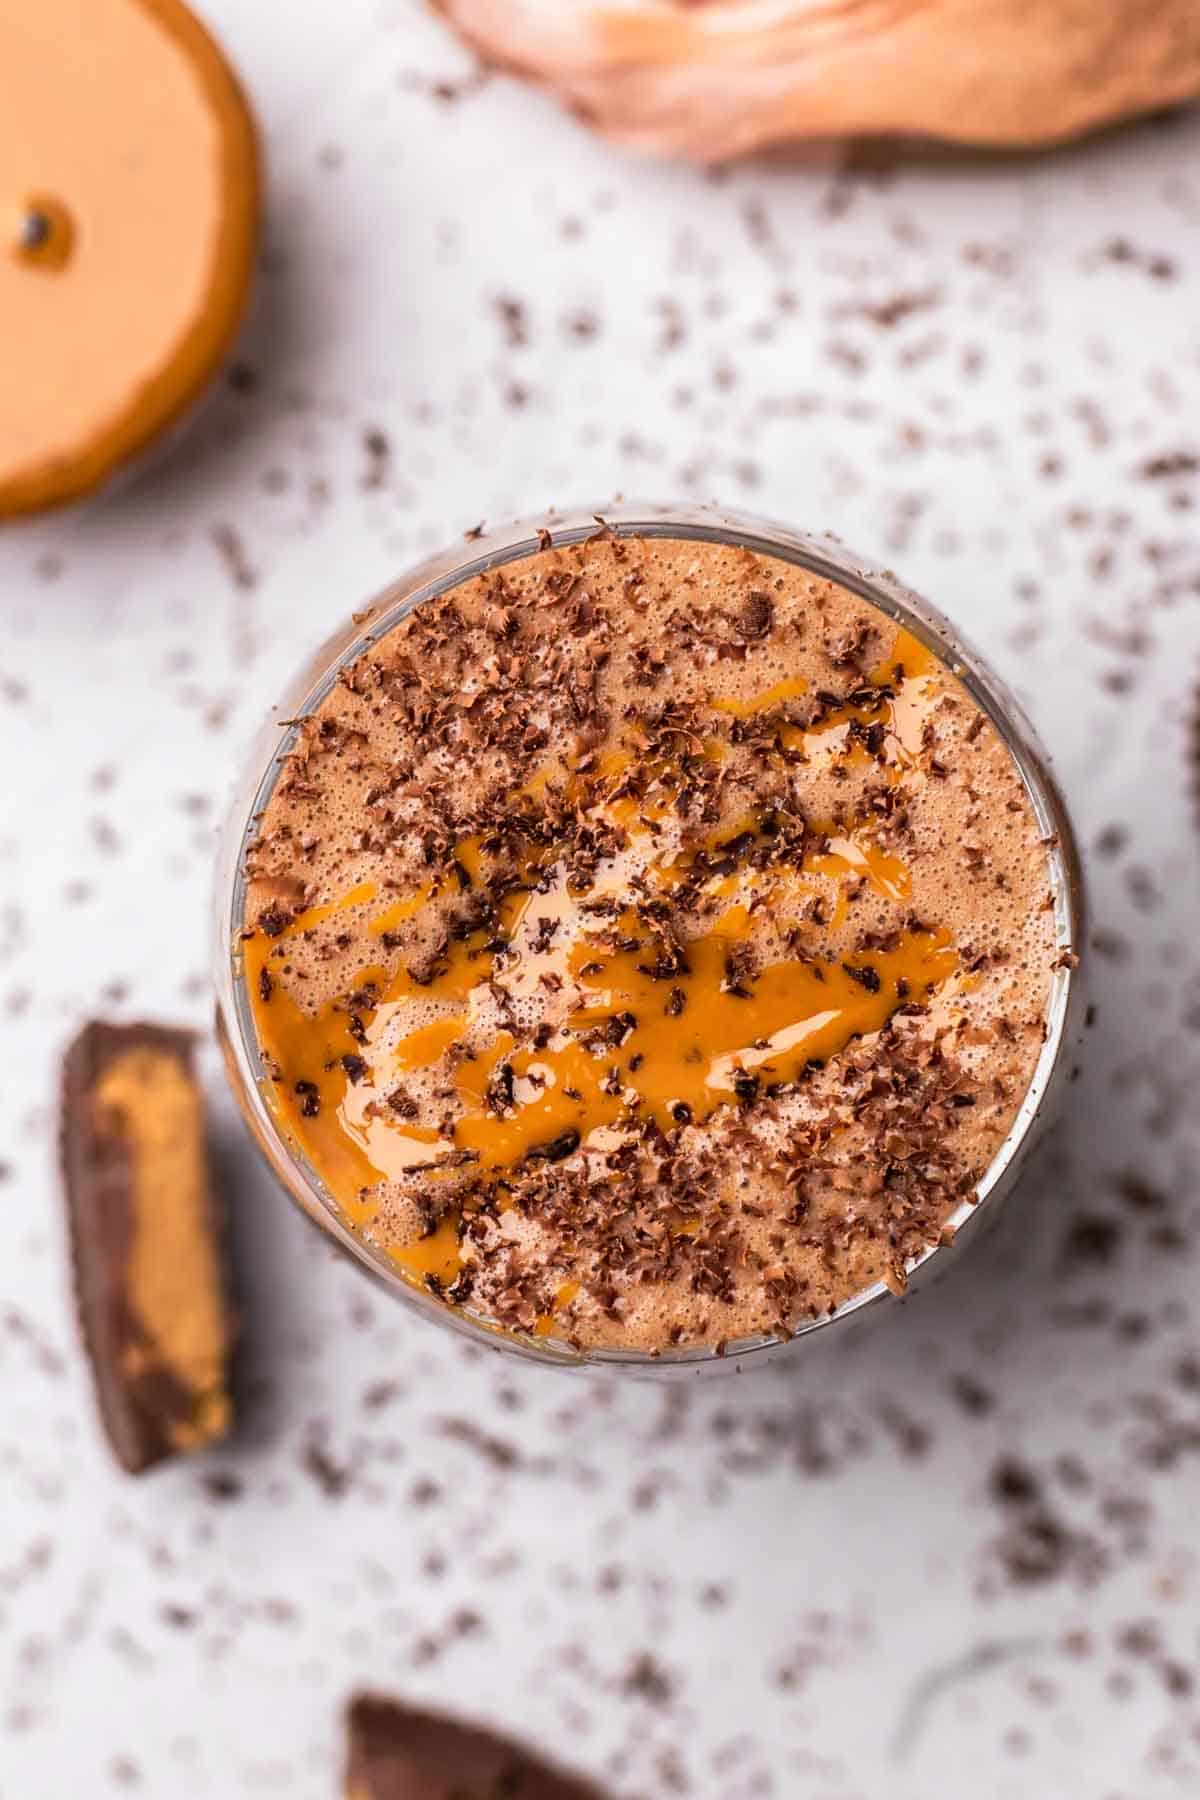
(145, 1241)
(396, 1752)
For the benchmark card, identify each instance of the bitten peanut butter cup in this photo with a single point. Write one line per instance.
(396, 1752)
(128, 228)
(145, 1241)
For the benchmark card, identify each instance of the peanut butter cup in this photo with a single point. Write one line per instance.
(145, 1241)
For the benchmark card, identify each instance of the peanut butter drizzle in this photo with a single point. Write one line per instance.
(901, 712)
(565, 1292)
(794, 688)
(633, 1045)
(677, 1068)
(433, 1257)
(316, 915)
(172, 1282)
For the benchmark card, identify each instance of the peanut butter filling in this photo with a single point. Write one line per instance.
(667, 1026)
(172, 1283)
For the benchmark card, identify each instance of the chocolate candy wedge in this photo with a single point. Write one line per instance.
(397, 1752)
(145, 1241)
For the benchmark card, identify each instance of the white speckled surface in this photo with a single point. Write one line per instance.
(957, 1558)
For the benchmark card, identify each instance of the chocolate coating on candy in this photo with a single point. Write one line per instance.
(397, 1752)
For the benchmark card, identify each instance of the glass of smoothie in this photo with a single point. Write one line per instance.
(648, 939)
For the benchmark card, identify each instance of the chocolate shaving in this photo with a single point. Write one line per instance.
(562, 1146)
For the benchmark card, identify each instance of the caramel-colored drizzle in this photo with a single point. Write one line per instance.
(678, 1067)
(794, 688)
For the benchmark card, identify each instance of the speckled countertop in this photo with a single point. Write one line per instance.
(957, 1557)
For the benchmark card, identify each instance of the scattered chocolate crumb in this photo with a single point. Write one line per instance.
(378, 452)
(494, 1450)
(333, 1478)
(646, 1679)
(1014, 1483)
(972, 1396)
(222, 1484)
(232, 552)
(1091, 1238)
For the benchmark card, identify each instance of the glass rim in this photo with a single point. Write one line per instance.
(822, 555)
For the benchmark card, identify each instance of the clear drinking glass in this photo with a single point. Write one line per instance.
(823, 556)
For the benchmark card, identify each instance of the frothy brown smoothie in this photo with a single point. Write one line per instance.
(650, 944)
